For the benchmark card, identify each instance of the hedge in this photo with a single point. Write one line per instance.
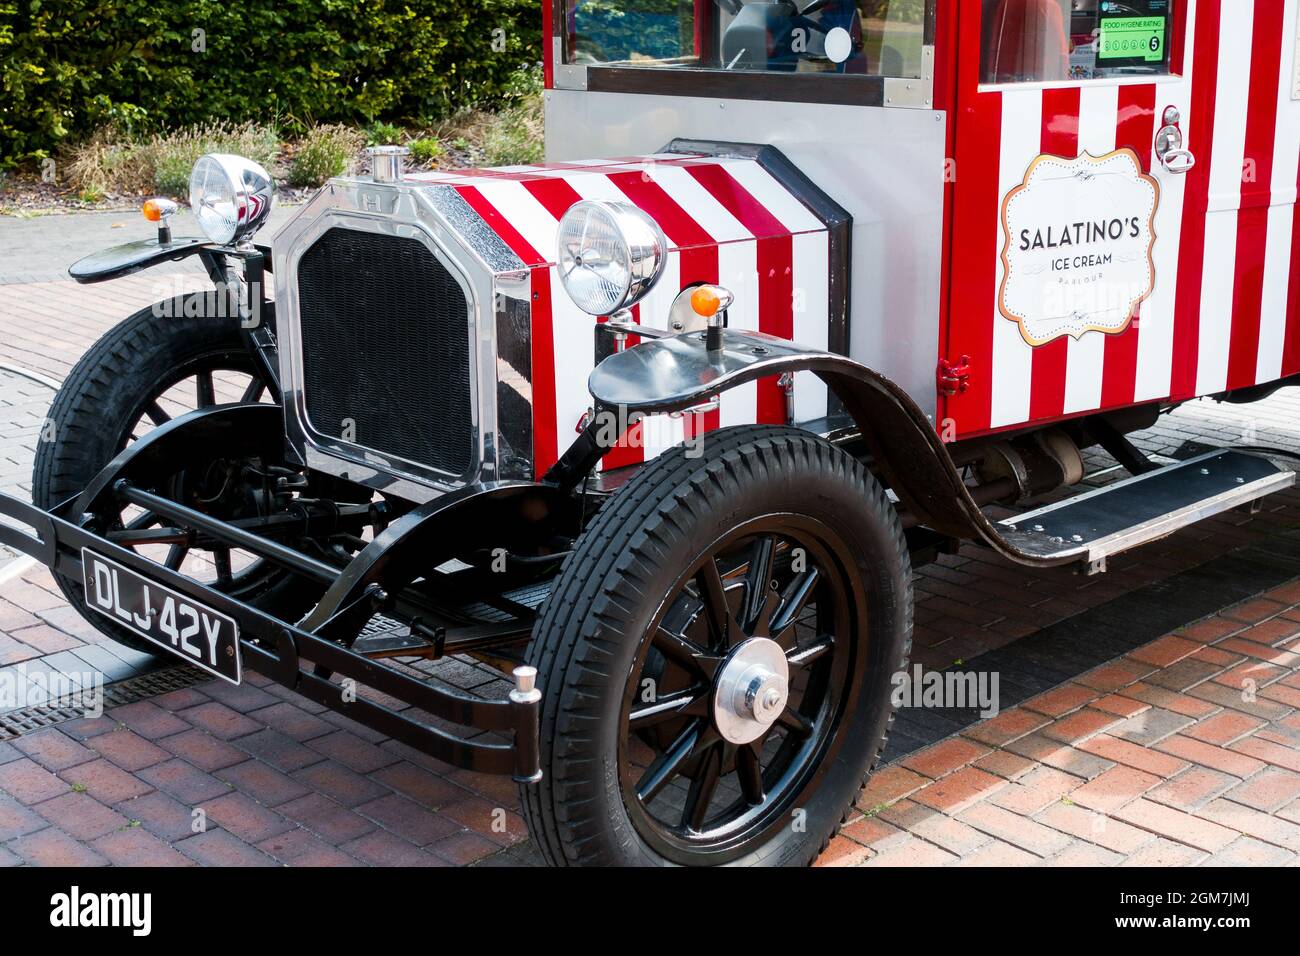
(68, 66)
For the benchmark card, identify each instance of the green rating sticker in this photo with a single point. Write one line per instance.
(1131, 37)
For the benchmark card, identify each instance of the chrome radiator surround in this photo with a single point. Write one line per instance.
(497, 289)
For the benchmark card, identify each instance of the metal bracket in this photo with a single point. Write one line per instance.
(911, 92)
(953, 378)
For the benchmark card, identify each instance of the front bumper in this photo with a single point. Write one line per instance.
(277, 649)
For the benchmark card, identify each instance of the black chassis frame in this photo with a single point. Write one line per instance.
(305, 655)
(277, 648)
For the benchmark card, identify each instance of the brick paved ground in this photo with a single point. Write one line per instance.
(1179, 749)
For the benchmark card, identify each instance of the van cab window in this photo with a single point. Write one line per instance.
(1036, 41)
(865, 37)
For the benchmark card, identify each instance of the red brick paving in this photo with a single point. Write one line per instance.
(1123, 765)
(1201, 783)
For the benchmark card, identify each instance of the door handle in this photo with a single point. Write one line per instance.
(1169, 145)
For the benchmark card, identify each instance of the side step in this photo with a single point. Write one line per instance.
(1128, 513)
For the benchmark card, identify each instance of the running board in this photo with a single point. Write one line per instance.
(1091, 527)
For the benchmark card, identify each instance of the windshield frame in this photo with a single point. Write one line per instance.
(827, 88)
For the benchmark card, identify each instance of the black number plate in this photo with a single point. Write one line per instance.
(175, 622)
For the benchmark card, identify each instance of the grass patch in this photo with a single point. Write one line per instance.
(514, 136)
(110, 163)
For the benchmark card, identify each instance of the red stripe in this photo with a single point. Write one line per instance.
(630, 449)
(972, 312)
(678, 225)
(1134, 129)
(545, 437)
(738, 201)
(775, 255)
(1191, 255)
(775, 316)
(976, 150)
(501, 226)
(1256, 194)
(548, 62)
(1060, 138)
(1291, 339)
(696, 266)
(555, 194)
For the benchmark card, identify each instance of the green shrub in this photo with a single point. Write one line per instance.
(326, 151)
(425, 151)
(70, 67)
(514, 136)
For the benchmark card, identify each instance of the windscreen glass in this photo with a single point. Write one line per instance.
(863, 37)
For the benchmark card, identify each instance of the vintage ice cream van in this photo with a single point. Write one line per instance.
(660, 427)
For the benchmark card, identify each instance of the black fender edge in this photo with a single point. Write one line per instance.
(678, 372)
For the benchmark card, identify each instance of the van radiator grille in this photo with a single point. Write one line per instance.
(385, 348)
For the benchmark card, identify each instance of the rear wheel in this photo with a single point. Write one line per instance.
(716, 658)
(154, 366)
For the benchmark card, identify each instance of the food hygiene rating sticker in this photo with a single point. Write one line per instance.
(1132, 38)
(1077, 241)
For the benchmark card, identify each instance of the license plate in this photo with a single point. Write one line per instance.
(174, 621)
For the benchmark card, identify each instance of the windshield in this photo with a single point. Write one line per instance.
(863, 37)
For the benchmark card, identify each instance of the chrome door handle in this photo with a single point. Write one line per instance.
(1178, 161)
(1169, 146)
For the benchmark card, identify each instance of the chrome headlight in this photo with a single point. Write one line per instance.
(611, 254)
(230, 197)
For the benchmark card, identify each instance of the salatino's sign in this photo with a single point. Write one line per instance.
(1077, 240)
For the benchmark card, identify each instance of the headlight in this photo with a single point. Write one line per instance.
(610, 255)
(230, 196)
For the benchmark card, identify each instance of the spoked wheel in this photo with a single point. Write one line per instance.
(153, 367)
(716, 658)
(739, 684)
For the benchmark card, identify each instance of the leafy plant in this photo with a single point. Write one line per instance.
(426, 150)
(383, 134)
(327, 151)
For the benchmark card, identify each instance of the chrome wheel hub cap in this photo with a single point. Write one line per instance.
(753, 686)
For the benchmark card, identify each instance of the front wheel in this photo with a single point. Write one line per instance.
(156, 365)
(717, 657)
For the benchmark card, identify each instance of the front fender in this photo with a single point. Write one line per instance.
(133, 256)
(677, 372)
(117, 261)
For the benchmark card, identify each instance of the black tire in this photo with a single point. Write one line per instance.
(610, 590)
(108, 392)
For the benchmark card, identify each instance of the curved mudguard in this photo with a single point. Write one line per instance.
(438, 530)
(677, 372)
(240, 430)
(123, 260)
(133, 256)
